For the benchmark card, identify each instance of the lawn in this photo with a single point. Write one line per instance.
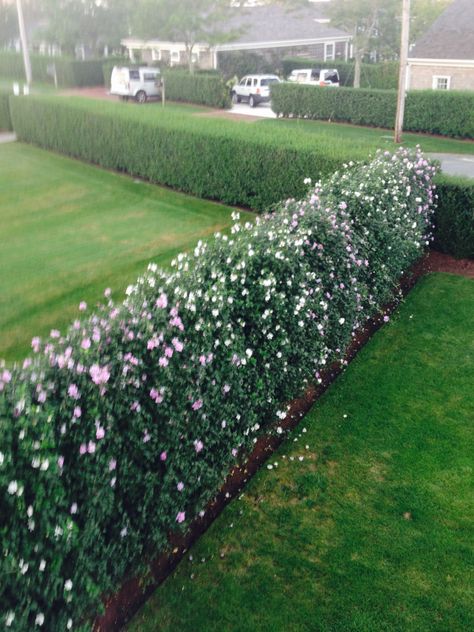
(365, 521)
(70, 230)
(372, 138)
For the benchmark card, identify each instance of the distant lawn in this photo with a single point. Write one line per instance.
(370, 137)
(373, 530)
(69, 230)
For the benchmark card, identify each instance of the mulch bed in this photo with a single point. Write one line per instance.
(120, 607)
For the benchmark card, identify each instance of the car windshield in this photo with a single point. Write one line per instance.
(269, 80)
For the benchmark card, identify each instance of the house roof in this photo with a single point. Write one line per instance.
(451, 36)
(275, 23)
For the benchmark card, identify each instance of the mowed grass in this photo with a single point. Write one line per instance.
(69, 230)
(365, 523)
(371, 138)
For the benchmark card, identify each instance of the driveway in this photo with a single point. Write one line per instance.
(456, 164)
(263, 110)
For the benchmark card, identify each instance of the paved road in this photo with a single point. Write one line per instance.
(263, 110)
(456, 164)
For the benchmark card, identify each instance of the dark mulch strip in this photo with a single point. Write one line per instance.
(120, 607)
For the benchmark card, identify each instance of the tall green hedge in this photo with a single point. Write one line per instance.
(108, 65)
(70, 72)
(383, 76)
(122, 429)
(5, 118)
(448, 113)
(246, 165)
(454, 219)
(200, 88)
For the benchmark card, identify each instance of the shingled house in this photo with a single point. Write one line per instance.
(443, 58)
(264, 29)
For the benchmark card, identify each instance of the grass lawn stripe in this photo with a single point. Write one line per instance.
(69, 230)
(373, 530)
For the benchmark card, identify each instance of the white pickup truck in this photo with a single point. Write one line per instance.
(315, 76)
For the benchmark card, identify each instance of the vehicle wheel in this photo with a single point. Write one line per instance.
(141, 97)
(235, 98)
(252, 101)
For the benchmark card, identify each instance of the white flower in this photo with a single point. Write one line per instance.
(69, 624)
(39, 619)
(249, 353)
(13, 487)
(44, 465)
(9, 619)
(42, 565)
(68, 585)
(2, 458)
(342, 321)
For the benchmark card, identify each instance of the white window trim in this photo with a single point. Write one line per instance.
(436, 78)
(326, 46)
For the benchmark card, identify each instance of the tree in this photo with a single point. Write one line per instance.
(8, 23)
(187, 21)
(93, 23)
(369, 22)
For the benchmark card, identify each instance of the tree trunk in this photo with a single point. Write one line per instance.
(357, 68)
(189, 55)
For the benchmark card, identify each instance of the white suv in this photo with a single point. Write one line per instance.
(254, 88)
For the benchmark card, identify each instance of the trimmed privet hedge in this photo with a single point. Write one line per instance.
(383, 76)
(251, 166)
(200, 88)
(454, 219)
(70, 72)
(5, 119)
(447, 113)
(123, 428)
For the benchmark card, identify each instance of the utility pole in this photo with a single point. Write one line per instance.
(403, 71)
(24, 42)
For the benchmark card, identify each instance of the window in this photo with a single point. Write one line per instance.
(243, 81)
(269, 81)
(175, 55)
(441, 83)
(328, 52)
(249, 82)
(149, 76)
(134, 75)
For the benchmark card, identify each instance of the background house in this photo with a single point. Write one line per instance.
(443, 58)
(261, 29)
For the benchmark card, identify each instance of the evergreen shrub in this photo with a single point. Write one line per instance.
(201, 88)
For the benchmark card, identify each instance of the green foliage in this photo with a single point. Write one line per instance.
(448, 113)
(250, 166)
(454, 219)
(240, 63)
(200, 88)
(5, 118)
(70, 72)
(383, 76)
(124, 428)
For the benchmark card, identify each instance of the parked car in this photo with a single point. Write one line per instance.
(315, 76)
(139, 83)
(253, 88)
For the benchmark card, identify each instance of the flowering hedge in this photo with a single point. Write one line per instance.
(124, 427)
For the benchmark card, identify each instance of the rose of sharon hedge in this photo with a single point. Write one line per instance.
(124, 427)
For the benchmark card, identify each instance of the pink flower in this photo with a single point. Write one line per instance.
(198, 445)
(42, 397)
(77, 412)
(35, 344)
(6, 376)
(234, 451)
(168, 352)
(86, 343)
(162, 301)
(83, 448)
(156, 395)
(60, 462)
(91, 447)
(181, 517)
(180, 486)
(100, 432)
(197, 404)
(163, 456)
(177, 344)
(107, 292)
(163, 361)
(96, 335)
(202, 360)
(73, 391)
(55, 333)
(226, 388)
(99, 375)
(27, 363)
(82, 306)
(74, 508)
(146, 436)
(112, 465)
(386, 319)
